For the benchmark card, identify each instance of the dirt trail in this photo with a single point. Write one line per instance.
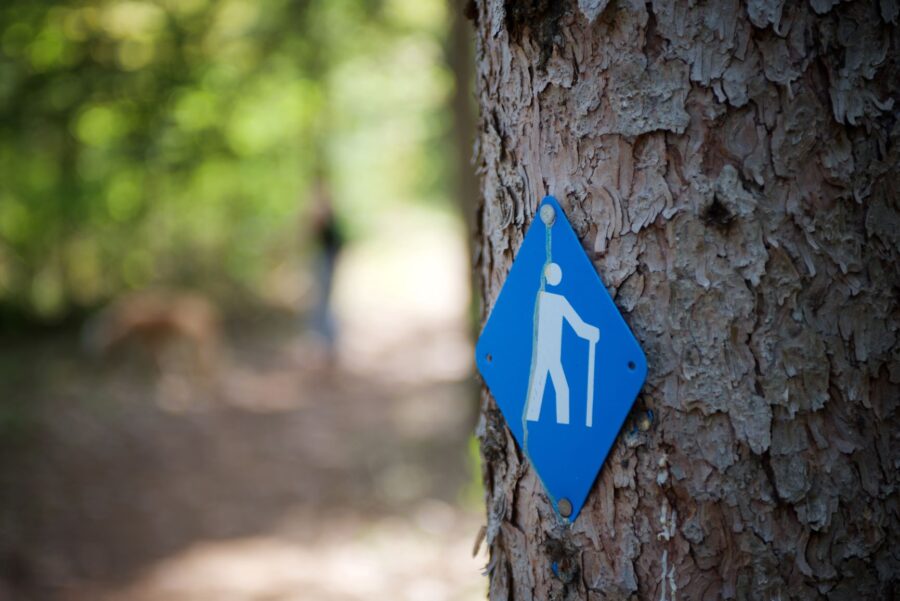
(270, 481)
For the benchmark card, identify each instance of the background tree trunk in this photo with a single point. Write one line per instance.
(732, 169)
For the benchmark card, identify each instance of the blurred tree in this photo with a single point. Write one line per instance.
(732, 169)
(459, 54)
(460, 60)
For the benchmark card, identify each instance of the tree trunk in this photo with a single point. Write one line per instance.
(732, 170)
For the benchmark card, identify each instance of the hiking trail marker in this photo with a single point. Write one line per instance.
(559, 359)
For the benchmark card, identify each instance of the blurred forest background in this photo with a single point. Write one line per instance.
(174, 146)
(138, 134)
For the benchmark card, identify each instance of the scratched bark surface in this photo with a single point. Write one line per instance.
(732, 169)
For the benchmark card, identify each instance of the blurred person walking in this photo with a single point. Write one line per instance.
(328, 238)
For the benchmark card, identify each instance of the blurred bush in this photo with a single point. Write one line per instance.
(172, 141)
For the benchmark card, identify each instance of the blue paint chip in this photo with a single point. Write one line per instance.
(560, 360)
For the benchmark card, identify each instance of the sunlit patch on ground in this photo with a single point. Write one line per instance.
(402, 298)
(393, 558)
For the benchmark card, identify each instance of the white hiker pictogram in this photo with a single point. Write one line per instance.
(547, 359)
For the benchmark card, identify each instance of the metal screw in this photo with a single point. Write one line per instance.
(565, 507)
(548, 214)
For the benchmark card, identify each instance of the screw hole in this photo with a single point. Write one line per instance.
(631, 365)
(489, 358)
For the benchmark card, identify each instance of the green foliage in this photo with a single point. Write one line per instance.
(173, 141)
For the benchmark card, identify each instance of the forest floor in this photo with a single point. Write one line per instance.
(272, 479)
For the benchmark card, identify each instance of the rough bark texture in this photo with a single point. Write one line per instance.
(732, 169)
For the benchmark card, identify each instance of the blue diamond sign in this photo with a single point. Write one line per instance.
(559, 359)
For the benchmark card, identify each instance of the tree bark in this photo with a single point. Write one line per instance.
(731, 167)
